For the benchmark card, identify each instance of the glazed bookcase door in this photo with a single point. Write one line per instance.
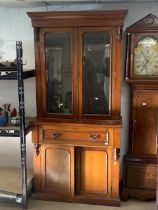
(58, 60)
(96, 71)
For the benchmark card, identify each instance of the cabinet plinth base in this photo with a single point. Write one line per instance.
(139, 178)
(76, 199)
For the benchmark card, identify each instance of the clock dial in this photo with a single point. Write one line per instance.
(146, 57)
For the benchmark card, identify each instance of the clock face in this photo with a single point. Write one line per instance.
(146, 57)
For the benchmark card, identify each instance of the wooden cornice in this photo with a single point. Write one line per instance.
(78, 18)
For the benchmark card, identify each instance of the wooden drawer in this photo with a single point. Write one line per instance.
(78, 137)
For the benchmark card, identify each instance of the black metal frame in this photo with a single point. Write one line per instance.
(7, 74)
(20, 132)
(22, 122)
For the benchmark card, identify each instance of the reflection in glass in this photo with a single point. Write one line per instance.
(58, 72)
(96, 72)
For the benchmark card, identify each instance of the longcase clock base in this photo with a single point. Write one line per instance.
(139, 178)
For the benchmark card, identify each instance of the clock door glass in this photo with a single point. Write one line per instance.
(146, 57)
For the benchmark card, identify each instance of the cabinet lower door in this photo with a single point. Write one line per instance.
(57, 167)
(93, 171)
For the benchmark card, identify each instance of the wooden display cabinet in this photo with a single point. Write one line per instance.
(76, 134)
(140, 171)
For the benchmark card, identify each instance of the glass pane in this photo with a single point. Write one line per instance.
(96, 72)
(146, 57)
(58, 72)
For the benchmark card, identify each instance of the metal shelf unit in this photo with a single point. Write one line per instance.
(21, 131)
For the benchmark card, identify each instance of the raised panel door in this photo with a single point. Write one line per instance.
(92, 171)
(145, 118)
(57, 168)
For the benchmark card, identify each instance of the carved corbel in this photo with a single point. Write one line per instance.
(119, 33)
(116, 155)
(37, 149)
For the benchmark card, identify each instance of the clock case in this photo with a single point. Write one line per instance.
(140, 163)
(146, 27)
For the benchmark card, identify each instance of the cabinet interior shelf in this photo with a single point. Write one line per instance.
(14, 131)
(10, 74)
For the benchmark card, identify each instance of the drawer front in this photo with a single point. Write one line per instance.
(53, 135)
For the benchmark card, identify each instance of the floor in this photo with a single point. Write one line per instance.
(45, 205)
(12, 183)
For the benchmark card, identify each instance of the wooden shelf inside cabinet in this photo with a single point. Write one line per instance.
(14, 131)
(11, 74)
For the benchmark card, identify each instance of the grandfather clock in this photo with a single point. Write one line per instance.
(140, 164)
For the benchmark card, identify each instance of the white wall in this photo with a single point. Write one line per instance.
(15, 25)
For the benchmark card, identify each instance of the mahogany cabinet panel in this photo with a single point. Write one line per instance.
(142, 76)
(140, 162)
(145, 122)
(72, 58)
(141, 176)
(93, 171)
(76, 134)
(79, 136)
(56, 167)
(69, 168)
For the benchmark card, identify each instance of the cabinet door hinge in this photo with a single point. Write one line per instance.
(119, 33)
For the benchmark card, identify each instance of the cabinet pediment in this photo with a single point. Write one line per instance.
(149, 22)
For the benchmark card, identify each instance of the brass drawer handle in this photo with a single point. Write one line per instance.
(106, 138)
(56, 135)
(93, 137)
